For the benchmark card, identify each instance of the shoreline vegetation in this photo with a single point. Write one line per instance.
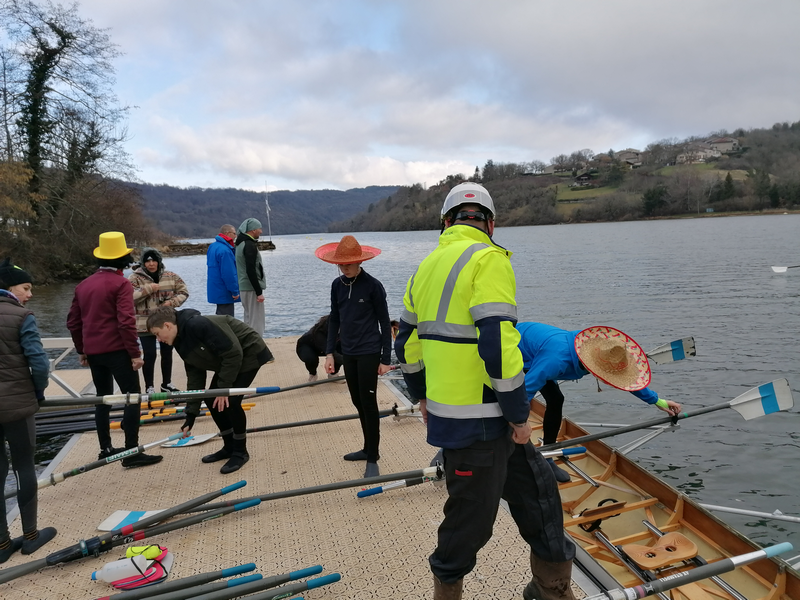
(65, 176)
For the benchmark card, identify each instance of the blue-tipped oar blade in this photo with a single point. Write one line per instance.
(764, 400)
(675, 350)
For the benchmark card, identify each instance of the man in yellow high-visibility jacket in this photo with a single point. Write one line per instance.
(457, 346)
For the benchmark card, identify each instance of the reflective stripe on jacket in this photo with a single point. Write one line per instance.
(457, 343)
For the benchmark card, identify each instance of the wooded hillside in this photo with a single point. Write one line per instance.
(199, 212)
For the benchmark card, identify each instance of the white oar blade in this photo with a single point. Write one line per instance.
(192, 440)
(677, 350)
(764, 400)
(120, 518)
(780, 269)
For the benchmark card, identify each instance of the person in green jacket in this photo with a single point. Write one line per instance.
(233, 352)
(250, 270)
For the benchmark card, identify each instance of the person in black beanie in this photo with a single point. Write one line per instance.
(24, 370)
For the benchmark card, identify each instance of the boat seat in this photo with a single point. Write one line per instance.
(669, 549)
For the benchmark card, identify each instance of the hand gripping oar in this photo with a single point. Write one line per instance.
(183, 583)
(396, 411)
(418, 480)
(96, 545)
(669, 582)
(59, 477)
(783, 269)
(675, 350)
(256, 586)
(759, 401)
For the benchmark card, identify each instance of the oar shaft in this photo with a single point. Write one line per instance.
(256, 586)
(328, 487)
(382, 413)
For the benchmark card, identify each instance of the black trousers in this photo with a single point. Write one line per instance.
(107, 368)
(477, 478)
(233, 419)
(21, 438)
(225, 309)
(308, 354)
(361, 374)
(551, 423)
(149, 349)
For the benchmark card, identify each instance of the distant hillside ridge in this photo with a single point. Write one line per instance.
(199, 212)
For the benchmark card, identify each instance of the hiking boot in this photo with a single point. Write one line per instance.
(561, 475)
(140, 460)
(357, 455)
(168, 387)
(29, 546)
(106, 452)
(6, 553)
(236, 462)
(372, 470)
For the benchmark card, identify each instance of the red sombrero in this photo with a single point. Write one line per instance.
(346, 252)
(613, 357)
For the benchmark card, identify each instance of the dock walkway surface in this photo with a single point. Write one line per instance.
(379, 544)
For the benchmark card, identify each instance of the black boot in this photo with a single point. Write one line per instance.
(5, 553)
(29, 546)
(140, 460)
(238, 458)
(223, 453)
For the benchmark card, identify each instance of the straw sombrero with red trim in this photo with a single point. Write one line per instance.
(346, 252)
(613, 357)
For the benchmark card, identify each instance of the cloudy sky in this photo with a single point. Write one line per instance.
(350, 93)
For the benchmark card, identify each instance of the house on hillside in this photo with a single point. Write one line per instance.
(698, 152)
(723, 144)
(629, 155)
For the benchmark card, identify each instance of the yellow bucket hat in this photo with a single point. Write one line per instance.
(112, 245)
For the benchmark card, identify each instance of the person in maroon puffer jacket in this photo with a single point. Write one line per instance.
(102, 321)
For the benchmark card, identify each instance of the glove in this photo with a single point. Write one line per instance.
(188, 422)
(40, 395)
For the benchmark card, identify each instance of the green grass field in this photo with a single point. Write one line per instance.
(565, 193)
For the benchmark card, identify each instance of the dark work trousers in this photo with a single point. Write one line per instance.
(225, 309)
(308, 354)
(149, 350)
(21, 438)
(477, 477)
(551, 423)
(232, 419)
(107, 368)
(361, 374)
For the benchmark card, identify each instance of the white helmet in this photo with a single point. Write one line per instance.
(468, 193)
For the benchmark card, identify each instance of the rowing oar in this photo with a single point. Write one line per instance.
(418, 480)
(759, 401)
(132, 398)
(59, 477)
(675, 350)
(256, 586)
(183, 583)
(106, 541)
(396, 411)
(783, 269)
(659, 586)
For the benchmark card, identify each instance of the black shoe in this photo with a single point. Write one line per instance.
(236, 462)
(357, 455)
(6, 553)
(106, 452)
(561, 475)
(140, 460)
(44, 536)
(168, 387)
(372, 470)
(223, 453)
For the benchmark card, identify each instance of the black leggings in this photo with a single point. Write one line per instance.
(361, 373)
(232, 419)
(21, 438)
(551, 423)
(107, 368)
(148, 370)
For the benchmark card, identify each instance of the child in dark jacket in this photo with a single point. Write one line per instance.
(24, 371)
(233, 352)
(313, 344)
(360, 318)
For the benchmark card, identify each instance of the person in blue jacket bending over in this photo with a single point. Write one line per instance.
(550, 354)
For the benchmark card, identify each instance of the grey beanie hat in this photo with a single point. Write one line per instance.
(249, 225)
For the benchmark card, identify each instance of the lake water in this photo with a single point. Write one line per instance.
(658, 281)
